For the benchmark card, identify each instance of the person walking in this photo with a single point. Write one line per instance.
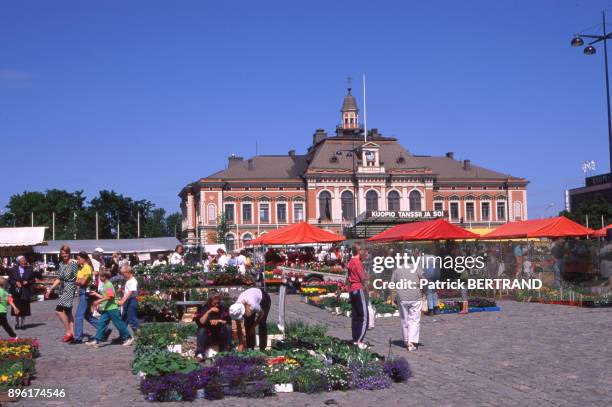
(83, 313)
(109, 311)
(408, 301)
(21, 280)
(356, 285)
(5, 300)
(66, 281)
(431, 271)
(250, 311)
(129, 302)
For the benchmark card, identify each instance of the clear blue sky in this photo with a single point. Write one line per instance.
(145, 96)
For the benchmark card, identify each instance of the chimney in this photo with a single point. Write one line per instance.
(291, 153)
(319, 135)
(467, 165)
(233, 160)
(450, 155)
(251, 165)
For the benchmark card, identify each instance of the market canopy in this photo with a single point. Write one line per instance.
(559, 226)
(298, 233)
(438, 229)
(142, 245)
(14, 240)
(603, 231)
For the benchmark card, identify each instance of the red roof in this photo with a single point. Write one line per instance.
(438, 229)
(297, 233)
(549, 227)
(603, 231)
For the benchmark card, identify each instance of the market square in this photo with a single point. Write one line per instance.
(306, 204)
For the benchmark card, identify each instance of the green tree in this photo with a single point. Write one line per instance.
(173, 224)
(222, 228)
(595, 209)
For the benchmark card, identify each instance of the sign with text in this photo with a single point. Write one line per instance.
(407, 214)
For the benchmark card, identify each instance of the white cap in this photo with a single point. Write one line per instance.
(236, 311)
(98, 250)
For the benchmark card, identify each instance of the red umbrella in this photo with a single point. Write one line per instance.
(437, 229)
(603, 231)
(298, 233)
(549, 227)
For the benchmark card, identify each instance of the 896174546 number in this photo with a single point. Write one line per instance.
(36, 393)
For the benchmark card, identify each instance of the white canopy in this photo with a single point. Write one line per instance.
(20, 237)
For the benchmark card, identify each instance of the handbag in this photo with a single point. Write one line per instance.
(371, 316)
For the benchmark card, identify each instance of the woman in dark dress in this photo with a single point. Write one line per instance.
(21, 281)
(214, 327)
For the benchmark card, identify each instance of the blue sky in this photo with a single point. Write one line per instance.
(145, 96)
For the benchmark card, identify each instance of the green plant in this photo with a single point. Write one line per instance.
(298, 329)
(309, 381)
(158, 335)
(164, 362)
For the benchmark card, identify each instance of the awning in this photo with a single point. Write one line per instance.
(142, 245)
(20, 237)
(438, 229)
(298, 233)
(603, 231)
(550, 227)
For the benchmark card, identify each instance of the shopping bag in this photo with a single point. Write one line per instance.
(371, 316)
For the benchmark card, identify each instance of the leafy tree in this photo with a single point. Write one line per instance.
(173, 224)
(593, 208)
(223, 228)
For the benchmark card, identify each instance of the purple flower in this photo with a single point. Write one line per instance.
(397, 369)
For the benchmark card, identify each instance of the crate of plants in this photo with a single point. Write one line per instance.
(17, 364)
(474, 305)
(308, 361)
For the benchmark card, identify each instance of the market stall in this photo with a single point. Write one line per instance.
(298, 233)
(438, 229)
(557, 227)
(20, 240)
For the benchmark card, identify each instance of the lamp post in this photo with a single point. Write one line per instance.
(351, 153)
(578, 41)
(550, 205)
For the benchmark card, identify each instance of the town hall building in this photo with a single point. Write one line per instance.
(347, 183)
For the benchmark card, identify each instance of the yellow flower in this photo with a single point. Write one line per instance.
(3, 378)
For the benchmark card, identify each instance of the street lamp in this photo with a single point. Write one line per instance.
(351, 153)
(578, 41)
(550, 205)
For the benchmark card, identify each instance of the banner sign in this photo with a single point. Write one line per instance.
(424, 215)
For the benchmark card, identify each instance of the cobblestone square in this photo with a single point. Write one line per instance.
(527, 354)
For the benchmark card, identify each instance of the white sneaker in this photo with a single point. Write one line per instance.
(128, 342)
(410, 347)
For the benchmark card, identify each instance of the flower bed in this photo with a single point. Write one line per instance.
(572, 297)
(306, 361)
(474, 305)
(342, 306)
(17, 365)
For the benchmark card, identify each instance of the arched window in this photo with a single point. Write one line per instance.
(230, 242)
(415, 200)
(325, 205)
(247, 238)
(212, 213)
(371, 200)
(393, 201)
(348, 205)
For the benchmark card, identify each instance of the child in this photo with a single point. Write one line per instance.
(5, 300)
(109, 311)
(129, 301)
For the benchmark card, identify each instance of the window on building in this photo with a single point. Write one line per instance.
(393, 201)
(518, 211)
(438, 206)
(264, 212)
(501, 211)
(325, 210)
(212, 213)
(348, 205)
(298, 212)
(247, 213)
(246, 238)
(229, 213)
(485, 210)
(469, 211)
(230, 242)
(415, 200)
(371, 200)
(281, 213)
(454, 211)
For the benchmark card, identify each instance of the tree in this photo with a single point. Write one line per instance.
(594, 209)
(173, 224)
(222, 228)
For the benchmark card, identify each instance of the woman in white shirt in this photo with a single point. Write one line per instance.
(177, 256)
(222, 258)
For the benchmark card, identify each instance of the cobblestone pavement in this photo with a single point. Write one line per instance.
(527, 354)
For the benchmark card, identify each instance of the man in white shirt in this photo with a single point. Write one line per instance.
(222, 259)
(160, 261)
(177, 256)
(241, 263)
(249, 312)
